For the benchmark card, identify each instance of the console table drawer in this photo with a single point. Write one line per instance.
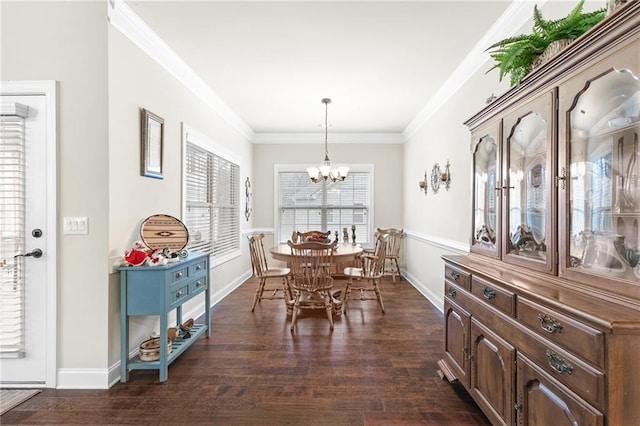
(197, 268)
(198, 285)
(178, 296)
(496, 296)
(567, 332)
(458, 276)
(178, 275)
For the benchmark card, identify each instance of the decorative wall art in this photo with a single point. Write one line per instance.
(152, 145)
(248, 194)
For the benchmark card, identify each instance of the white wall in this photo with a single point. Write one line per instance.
(386, 159)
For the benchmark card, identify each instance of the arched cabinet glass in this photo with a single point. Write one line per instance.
(602, 178)
(528, 234)
(486, 182)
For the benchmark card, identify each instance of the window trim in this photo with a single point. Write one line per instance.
(190, 135)
(290, 167)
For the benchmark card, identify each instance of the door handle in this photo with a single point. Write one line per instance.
(37, 253)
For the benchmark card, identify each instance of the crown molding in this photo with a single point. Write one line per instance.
(315, 138)
(131, 26)
(511, 20)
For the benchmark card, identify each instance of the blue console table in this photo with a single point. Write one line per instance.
(157, 290)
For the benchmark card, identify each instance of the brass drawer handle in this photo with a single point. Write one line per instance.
(198, 284)
(488, 293)
(455, 275)
(452, 292)
(549, 324)
(558, 363)
(178, 294)
(178, 275)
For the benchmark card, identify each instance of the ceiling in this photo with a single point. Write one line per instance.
(271, 63)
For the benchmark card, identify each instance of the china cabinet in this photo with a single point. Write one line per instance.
(542, 318)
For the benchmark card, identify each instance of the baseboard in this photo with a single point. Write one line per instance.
(436, 300)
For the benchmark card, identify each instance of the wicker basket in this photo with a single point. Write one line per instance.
(150, 349)
(552, 50)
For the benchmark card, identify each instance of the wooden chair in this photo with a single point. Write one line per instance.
(392, 253)
(262, 271)
(300, 237)
(311, 278)
(367, 278)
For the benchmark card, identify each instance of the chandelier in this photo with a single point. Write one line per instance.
(325, 171)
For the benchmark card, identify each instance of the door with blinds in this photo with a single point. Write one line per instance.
(26, 249)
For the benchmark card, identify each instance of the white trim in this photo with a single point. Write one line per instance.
(48, 89)
(511, 20)
(315, 138)
(443, 243)
(139, 33)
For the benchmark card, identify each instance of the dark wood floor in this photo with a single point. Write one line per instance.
(373, 369)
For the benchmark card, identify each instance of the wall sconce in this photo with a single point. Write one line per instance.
(423, 184)
(445, 176)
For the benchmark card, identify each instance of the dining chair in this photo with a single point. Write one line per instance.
(367, 277)
(263, 272)
(311, 278)
(392, 252)
(319, 236)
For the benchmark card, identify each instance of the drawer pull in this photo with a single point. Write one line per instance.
(549, 324)
(198, 284)
(558, 363)
(455, 275)
(452, 292)
(198, 267)
(488, 293)
(178, 275)
(178, 294)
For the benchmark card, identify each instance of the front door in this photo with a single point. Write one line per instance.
(27, 234)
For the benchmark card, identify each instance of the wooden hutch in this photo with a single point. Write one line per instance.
(542, 318)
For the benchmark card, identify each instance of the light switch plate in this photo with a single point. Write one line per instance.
(76, 226)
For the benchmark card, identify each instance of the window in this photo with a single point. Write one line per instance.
(211, 201)
(329, 206)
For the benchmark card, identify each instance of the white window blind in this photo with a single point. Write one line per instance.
(326, 206)
(211, 202)
(12, 203)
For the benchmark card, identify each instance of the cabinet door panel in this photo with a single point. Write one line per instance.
(456, 340)
(599, 160)
(528, 181)
(492, 373)
(486, 147)
(542, 401)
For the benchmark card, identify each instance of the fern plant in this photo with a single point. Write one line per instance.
(514, 55)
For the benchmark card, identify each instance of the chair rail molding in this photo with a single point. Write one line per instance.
(455, 247)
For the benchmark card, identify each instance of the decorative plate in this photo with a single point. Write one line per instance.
(435, 178)
(162, 232)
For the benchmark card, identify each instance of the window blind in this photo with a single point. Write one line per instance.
(212, 202)
(12, 211)
(326, 205)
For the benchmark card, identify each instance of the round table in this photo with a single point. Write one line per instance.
(344, 253)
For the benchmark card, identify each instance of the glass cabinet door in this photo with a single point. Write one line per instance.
(603, 177)
(486, 190)
(528, 233)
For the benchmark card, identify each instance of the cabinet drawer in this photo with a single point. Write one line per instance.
(583, 379)
(178, 275)
(458, 276)
(459, 296)
(198, 285)
(582, 340)
(498, 297)
(197, 268)
(178, 295)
